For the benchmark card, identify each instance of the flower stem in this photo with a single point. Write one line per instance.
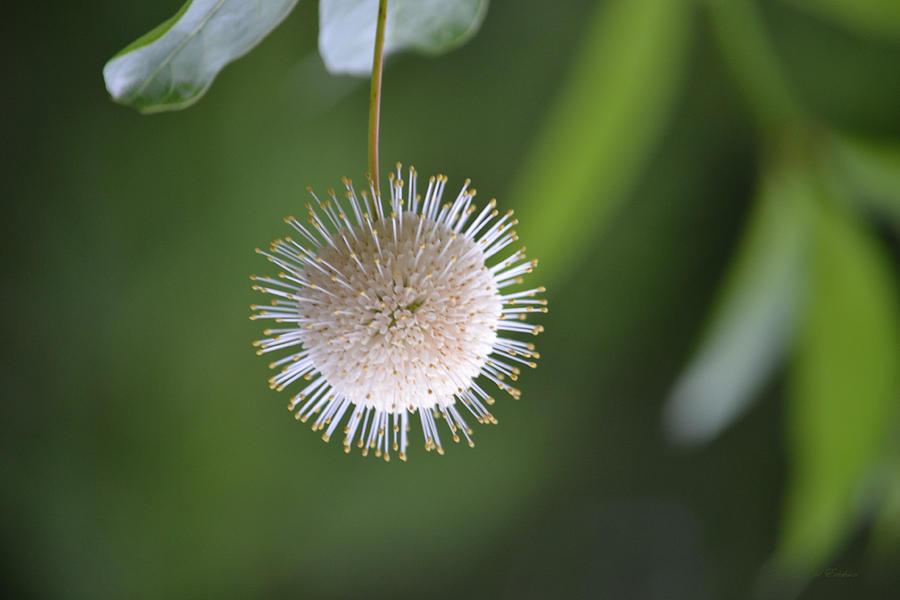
(375, 94)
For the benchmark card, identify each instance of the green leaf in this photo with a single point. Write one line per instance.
(740, 31)
(753, 319)
(886, 527)
(173, 65)
(347, 29)
(872, 167)
(843, 389)
(607, 119)
(877, 18)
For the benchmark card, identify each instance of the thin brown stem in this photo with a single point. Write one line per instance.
(375, 94)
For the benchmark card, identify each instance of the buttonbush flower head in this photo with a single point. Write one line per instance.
(398, 312)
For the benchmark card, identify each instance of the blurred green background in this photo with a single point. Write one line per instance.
(144, 456)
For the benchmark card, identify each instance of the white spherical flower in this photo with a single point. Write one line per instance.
(398, 310)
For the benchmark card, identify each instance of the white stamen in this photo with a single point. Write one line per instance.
(412, 333)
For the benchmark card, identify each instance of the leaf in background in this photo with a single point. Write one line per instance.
(753, 319)
(878, 18)
(174, 64)
(844, 388)
(873, 170)
(347, 29)
(609, 116)
(741, 33)
(886, 527)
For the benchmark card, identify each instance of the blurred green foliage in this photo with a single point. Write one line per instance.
(844, 385)
(144, 456)
(620, 92)
(750, 324)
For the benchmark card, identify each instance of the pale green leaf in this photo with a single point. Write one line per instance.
(878, 18)
(347, 29)
(174, 64)
(872, 168)
(843, 389)
(753, 320)
(608, 117)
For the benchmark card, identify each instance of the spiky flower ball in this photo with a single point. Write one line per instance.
(397, 311)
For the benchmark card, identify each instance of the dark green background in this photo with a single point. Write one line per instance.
(143, 455)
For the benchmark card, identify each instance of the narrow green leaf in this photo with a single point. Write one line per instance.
(844, 388)
(878, 18)
(173, 65)
(872, 167)
(753, 319)
(347, 29)
(740, 31)
(607, 119)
